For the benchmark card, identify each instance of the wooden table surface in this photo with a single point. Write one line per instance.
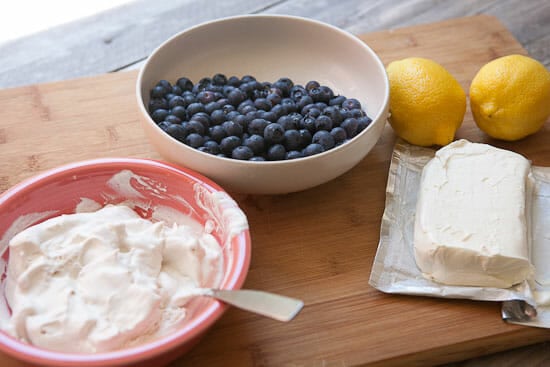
(120, 39)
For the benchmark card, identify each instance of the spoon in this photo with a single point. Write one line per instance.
(272, 305)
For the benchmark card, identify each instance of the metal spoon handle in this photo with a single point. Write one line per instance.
(264, 303)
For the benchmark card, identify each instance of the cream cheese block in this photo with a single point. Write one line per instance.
(470, 224)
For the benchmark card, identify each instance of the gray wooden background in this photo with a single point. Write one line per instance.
(121, 38)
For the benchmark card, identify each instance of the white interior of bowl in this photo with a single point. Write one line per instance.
(270, 47)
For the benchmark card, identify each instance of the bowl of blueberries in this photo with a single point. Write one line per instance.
(264, 104)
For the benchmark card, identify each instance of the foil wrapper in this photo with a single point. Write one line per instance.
(395, 271)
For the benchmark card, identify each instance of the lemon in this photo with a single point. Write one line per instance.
(510, 97)
(427, 104)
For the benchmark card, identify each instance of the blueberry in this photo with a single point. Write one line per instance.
(164, 125)
(228, 144)
(217, 133)
(159, 115)
(363, 123)
(232, 128)
(305, 137)
(257, 126)
(176, 101)
(292, 140)
(247, 89)
(251, 116)
(321, 105)
(196, 127)
(211, 107)
(246, 107)
(257, 159)
(206, 97)
(308, 123)
(350, 125)
(314, 112)
(169, 96)
(194, 108)
(241, 120)
(312, 149)
(218, 117)
(323, 123)
(275, 90)
(232, 114)
(227, 89)
(176, 90)
(185, 84)
(344, 113)
(287, 122)
(256, 85)
(302, 102)
(233, 81)
(158, 92)
(278, 110)
(285, 85)
(172, 119)
(248, 78)
(189, 99)
(177, 131)
(276, 152)
(326, 94)
(293, 154)
(219, 79)
(351, 104)
(356, 113)
(157, 104)
(165, 84)
(334, 114)
(194, 140)
(312, 84)
(324, 139)
(236, 97)
(259, 93)
(274, 98)
(339, 135)
(226, 108)
(180, 112)
(305, 110)
(269, 116)
(263, 104)
(211, 147)
(297, 92)
(337, 101)
(203, 118)
(242, 152)
(274, 133)
(289, 105)
(223, 101)
(315, 94)
(256, 143)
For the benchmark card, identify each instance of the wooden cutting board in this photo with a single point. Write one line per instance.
(317, 245)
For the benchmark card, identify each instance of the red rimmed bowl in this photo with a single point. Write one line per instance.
(143, 184)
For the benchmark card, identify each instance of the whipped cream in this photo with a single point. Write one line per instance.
(105, 280)
(470, 224)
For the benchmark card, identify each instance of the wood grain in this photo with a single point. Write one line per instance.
(317, 245)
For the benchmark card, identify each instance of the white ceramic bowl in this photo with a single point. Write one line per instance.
(270, 47)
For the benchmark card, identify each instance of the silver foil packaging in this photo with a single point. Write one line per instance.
(395, 271)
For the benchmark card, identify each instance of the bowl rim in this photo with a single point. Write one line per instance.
(189, 331)
(377, 119)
